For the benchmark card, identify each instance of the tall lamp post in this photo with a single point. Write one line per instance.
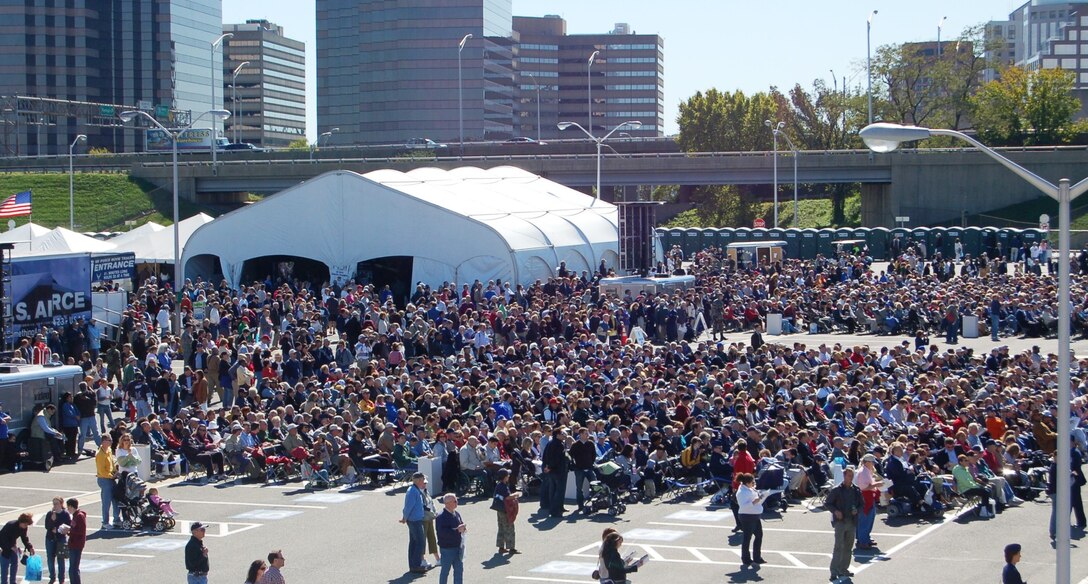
(599, 141)
(71, 182)
(589, 91)
(887, 137)
(940, 25)
(775, 129)
(215, 136)
(869, 60)
(537, 85)
(234, 97)
(324, 135)
(128, 116)
(460, 97)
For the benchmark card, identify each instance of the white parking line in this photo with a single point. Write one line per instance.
(916, 537)
(46, 489)
(698, 552)
(547, 580)
(777, 529)
(112, 555)
(231, 503)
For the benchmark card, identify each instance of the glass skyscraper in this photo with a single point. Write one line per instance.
(387, 71)
(150, 54)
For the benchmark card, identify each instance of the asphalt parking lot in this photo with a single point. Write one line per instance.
(339, 533)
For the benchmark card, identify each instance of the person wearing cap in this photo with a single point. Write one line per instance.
(1009, 574)
(505, 505)
(412, 516)
(196, 555)
(844, 501)
(869, 484)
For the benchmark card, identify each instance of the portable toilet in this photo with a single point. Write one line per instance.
(921, 235)
(710, 238)
(792, 237)
(1006, 236)
(989, 240)
(898, 242)
(662, 236)
(938, 242)
(759, 234)
(1031, 236)
(725, 237)
(972, 241)
(808, 244)
(1018, 237)
(825, 245)
(844, 233)
(878, 238)
(742, 235)
(951, 236)
(676, 237)
(690, 242)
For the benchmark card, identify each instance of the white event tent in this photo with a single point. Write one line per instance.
(156, 246)
(451, 226)
(56, 241)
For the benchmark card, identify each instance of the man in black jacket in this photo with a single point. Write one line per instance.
(582, 453)
(196, 555)
(555, 472)
(844, 502)
(86, 401)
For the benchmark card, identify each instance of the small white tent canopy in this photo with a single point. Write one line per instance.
(157, 246)
(60, 240)
(23, 233)
(456, 226)
(136, 234)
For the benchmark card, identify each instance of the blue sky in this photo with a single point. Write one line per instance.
(726, 44)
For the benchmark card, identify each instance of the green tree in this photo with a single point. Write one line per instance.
(1026, 108)
(300, 144)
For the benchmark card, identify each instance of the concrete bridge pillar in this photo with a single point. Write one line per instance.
(877, 207)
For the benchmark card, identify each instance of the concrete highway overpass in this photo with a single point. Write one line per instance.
(929, 186)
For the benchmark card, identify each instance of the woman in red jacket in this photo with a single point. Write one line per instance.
(742, 463)
(77, 540)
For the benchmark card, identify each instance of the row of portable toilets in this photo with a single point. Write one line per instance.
(808, 243)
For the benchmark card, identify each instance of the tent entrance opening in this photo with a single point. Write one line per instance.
(392, 271)
(284, 268)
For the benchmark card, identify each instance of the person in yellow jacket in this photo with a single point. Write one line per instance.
(106, 471)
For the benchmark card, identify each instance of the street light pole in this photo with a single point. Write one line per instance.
(326, 136)
(128, 116)
(215, 136)
(599, 141)
(796, 154)
(885, 138)
(234, 98)
(869, 61)
(940, 25)
(775, 129)
(537, 85)
(589, 90)
(460, 99)
(71, 182)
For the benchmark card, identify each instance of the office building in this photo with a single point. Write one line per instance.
(148, 54)
(1000, 48)
(625, 81)
(387, 72)
(267, 97)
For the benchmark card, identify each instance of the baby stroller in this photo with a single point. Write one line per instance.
(772, 482)
(604, 491)
(130, 494)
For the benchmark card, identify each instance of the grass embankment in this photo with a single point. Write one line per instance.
(103, 201)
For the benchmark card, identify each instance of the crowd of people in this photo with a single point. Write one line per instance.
(504, 384)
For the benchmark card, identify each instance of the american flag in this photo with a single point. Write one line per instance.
(16, 205)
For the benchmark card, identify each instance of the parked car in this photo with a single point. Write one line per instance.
(246, 146)
(524, 140)
(423, 144)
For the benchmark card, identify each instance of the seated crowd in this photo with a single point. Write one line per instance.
(341, 382)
